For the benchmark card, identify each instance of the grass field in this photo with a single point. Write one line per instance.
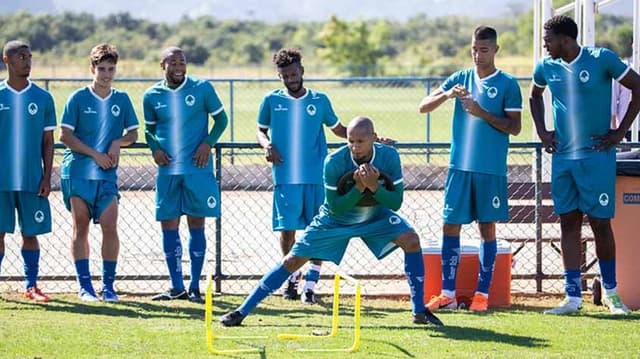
(137, 327)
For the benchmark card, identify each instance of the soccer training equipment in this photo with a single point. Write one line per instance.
(346, 182)
(442, 302)
(35, 294)
(567, 306)
(615, 305)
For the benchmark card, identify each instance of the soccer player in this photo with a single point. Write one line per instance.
(488, 107)
(176, 113)
(97, 121)
(583, 167)
(27, 120)
(340, 219)
(297, 148)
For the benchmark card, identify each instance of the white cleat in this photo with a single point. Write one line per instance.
(567, 306)
(615, 305)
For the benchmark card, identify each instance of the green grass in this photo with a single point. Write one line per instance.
(137, 327)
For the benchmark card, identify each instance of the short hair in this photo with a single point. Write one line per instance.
(362, 122)
(103, 52)
(286, 57)
(13, 46)
(562, 25)
(170, 51)
(485, 33)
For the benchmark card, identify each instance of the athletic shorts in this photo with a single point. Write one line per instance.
(96, 194)
(326, 240)
(193, 194)
(295, 205)
(34, 213)
(586, 184)
(472, 196)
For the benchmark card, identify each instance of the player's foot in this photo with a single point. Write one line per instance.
(35, 294)
(232, 319)
(195, 296)
(308, 297)
(109, 295)
(615, 305)
(86, 295)
(426, 318)
(480, 303)
(442, 302)
(171, 294)
(291, 292)
(567, 306)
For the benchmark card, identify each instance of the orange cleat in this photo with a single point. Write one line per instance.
(35, 294)
(442, 302)
(480, 303)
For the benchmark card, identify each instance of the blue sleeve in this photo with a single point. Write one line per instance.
(131, 119)
(513, 97)
(539, 78)
(331, 173)
(395, 166)
(451, 81)
(615, 66)
(148, 110)
(212, 101)
(50, 114)
(264, 113)
(70, 112)
(330, 119)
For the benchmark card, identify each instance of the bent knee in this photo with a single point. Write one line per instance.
(409, 242)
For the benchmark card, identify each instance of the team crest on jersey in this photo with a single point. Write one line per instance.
(603, 199)
(115, 110)
(394, 220)
(32, 108)
(492, 92)
(4, 107)
(211, 202)
(189, 100)
(584, 76)
(311, 110)
(38, 216)
(495, 202)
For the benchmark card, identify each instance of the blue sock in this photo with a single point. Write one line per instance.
(572, 283)
(487, 256)
(84, 275)
(108, 273)
(173, 255)
(450, 260)
(197, 250)
(414, 269)
(31, 259)
(269, 283)
(313, 274)
(608, 273)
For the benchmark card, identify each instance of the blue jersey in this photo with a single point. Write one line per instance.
(296, 131)
(181, 117)
(581, 92)
(24, 117)
(96, 122)
(476, 146)
(385, 158)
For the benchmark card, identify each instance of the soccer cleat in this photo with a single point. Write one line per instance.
(567, 306)
(171, 294)
(480, 303)
(615, 305)
(232, 319)
(109, 295)
(308, 297)
(291, 292)
(426, 318)
(87, 296)
(35, 294)
(442, 302)
(195, 296)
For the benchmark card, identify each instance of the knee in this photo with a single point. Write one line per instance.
(409, 242)
(293, 263)
(451, 230)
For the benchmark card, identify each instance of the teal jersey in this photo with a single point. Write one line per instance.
(581, 93)
(96, 122)
(476, 146)
(24, 117)
(296, 131)
(181, 117)
(385, 158)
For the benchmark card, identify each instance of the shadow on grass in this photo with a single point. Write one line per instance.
(486, 335)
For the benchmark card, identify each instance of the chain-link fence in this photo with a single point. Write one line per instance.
(242, 246)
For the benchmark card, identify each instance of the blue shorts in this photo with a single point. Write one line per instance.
(295, 205)
(472, 196)
(96, 194)
(34, 213)
(326, 240)
(193, 194)
(586, 184)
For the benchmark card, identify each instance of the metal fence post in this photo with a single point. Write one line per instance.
(218, 273)
(538, 218)
(231, 116)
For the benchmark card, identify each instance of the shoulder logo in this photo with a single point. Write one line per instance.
(32, 108)
(280, 108)
(492, 92)
(495, 202)
(584, 76)
(211, 202)
(38, 216)
(159, 105)
(554, 78)
(190, 100)
(89, 110)
(603, 199)
(115, 110)
(311, 110)
(4, 107)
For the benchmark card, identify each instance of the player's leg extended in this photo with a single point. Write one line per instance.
(110, 250)
(197, 251)
(487, 258)
(80, 247)
(313, 199)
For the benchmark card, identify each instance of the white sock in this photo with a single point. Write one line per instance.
(449, 293)
(610, 291)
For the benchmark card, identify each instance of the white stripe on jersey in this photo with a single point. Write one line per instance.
(297, 116)
(176, 130)
(17, 108)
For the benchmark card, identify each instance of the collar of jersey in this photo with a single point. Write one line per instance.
(495, 73)
(164, 84)
(574, 60)
(286, 94)
(370, 161)
(6, 83)
(97, 96)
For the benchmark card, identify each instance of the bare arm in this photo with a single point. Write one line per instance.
(47, 163)
(536, 103)
(631, 81)
(271, 152)
(511, 124)
(339, 130)
(69, 139)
